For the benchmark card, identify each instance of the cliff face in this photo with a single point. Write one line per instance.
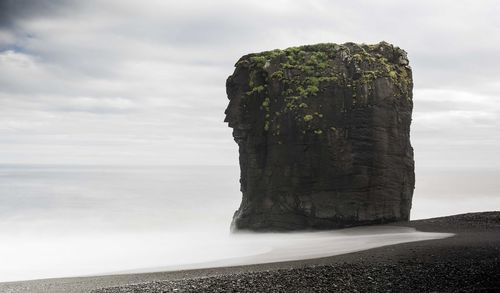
(324, 136)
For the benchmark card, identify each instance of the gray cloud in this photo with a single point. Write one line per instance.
(78, 78)
(12, 11)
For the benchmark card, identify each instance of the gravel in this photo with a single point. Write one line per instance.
(442, 277)
(468, 262)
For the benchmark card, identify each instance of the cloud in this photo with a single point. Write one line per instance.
(455, 128)
(83, 77)
(12, 11)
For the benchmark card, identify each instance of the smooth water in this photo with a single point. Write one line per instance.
(60, 221)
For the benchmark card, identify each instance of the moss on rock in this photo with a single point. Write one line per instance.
(296, 75)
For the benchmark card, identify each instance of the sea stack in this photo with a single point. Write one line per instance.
(324, 136)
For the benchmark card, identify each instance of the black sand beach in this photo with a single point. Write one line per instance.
(466, 262)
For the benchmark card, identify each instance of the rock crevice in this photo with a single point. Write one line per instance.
(324, 136)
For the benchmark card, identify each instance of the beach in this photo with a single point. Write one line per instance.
(249, 146)
(469, 261)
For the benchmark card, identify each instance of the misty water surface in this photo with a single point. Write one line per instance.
(64, 221)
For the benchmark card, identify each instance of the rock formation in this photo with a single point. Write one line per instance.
(324, 136)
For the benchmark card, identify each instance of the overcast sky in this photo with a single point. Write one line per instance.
(143, 82)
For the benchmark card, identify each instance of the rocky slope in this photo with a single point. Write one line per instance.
(324, 136)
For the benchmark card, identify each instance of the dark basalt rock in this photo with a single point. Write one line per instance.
(324, 136)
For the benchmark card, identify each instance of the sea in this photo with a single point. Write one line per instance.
(61, 220)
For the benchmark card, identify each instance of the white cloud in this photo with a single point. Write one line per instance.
(455, 128)
(119, 81)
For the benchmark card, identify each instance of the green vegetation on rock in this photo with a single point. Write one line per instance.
(308, 118)
(290, 81)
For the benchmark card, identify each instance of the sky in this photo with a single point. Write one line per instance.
(143, 82)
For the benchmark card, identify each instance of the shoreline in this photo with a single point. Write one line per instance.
(476, 246)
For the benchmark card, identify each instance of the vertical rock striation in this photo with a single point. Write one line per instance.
(324, 136)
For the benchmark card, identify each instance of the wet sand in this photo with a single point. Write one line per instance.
(466, 262)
